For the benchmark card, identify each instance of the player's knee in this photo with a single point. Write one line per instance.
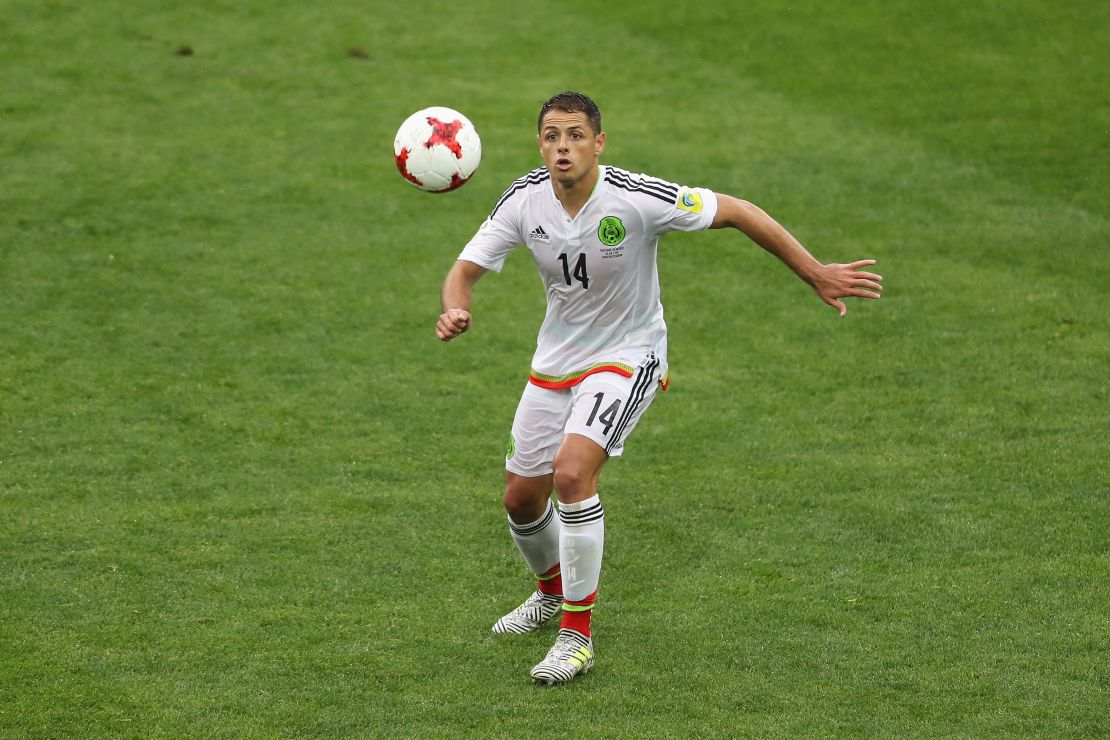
(524, 500)
(572, 483)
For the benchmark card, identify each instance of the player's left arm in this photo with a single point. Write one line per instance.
(831, 281)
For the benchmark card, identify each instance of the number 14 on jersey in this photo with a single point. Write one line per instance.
(579, 272)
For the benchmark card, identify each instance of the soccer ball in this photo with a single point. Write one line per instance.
(437, 149)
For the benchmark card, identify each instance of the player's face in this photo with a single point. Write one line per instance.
(570, 148)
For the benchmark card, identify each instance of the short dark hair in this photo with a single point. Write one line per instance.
(572, 102)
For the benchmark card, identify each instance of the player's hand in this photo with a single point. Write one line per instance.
(452, 322)
(835, 281)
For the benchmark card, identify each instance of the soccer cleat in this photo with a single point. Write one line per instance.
(529, 616)
(572, 655)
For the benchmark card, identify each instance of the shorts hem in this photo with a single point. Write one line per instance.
(518, 470)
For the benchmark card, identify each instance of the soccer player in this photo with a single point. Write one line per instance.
(601, 353)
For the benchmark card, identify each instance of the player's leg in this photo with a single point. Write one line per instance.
(606, 409)
(533, 522)
(534, 527)
(582, 532)
(581, 543)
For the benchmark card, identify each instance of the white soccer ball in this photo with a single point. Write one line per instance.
(437, 149)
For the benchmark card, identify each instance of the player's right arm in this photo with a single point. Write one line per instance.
(455, 299)
(487, 249)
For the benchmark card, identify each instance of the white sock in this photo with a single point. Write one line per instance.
(581, 542)
(538, 541)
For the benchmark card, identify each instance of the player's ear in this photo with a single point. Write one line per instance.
(599, 143)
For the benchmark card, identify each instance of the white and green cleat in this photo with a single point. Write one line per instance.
(529, 616)
(571, 656)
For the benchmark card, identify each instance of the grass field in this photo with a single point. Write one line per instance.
(245, 493)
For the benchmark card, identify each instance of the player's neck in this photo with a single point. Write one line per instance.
(574, 196)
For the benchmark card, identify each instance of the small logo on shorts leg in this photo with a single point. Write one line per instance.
(512, 448)
(610, 231)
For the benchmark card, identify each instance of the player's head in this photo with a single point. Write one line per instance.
(571, 139)
(572, 102)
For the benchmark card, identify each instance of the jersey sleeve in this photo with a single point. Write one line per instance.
(490, 246)
(693, 209)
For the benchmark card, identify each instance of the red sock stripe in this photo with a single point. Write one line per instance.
(579, 621)
(551, 582)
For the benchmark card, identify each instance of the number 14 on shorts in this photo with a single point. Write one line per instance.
(607, 417)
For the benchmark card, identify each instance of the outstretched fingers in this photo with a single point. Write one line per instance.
(863, 284)
(850, 281)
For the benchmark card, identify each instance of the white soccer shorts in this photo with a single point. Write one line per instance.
(604, 407)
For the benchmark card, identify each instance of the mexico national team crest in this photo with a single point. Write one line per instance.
(610, 231)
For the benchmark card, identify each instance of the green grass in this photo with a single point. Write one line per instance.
(244, 492)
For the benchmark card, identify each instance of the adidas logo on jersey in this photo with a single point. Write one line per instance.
(539, 233)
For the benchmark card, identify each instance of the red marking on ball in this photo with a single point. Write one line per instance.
(444, 133)
(402, 160)
(456, 181)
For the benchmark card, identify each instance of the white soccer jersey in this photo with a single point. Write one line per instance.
(599, 268)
